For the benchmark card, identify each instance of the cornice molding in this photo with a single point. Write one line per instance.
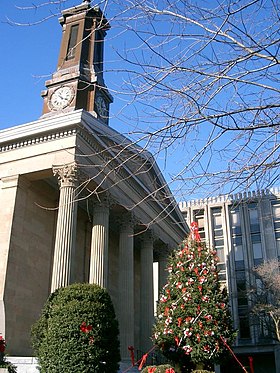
(231, 198)
(37, 140)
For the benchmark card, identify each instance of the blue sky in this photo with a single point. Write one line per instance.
(28, 55)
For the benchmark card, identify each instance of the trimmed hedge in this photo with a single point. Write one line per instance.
(77, 332)
(159, 368)
(162, 369)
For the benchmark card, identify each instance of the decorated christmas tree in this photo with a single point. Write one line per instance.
(193, 326)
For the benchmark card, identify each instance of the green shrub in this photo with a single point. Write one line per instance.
(202, 371)
(159, 368)
(77, 332)
(3, 362)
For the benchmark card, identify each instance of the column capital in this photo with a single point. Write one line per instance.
(148, 236)
(67, 174)
(127, 220)
(103, 200)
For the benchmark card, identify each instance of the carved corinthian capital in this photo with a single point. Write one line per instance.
(67, 174)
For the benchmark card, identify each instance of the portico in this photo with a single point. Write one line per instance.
(68, 216)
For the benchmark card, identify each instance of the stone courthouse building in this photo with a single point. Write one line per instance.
(79, 201)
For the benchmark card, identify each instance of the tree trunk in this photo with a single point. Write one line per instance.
(199, 366)
(177, 368)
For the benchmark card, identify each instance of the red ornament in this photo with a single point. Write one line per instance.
(152, 369)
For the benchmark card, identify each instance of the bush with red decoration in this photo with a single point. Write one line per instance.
(3, 362)
(193, 319)
(166, 368)
(77, 332)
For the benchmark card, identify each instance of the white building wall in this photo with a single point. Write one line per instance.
(250, 224)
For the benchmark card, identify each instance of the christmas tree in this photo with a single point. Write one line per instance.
(193, 322)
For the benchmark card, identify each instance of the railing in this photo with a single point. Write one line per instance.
(154, 358)
(230, 197)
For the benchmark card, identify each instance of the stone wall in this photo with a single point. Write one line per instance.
(29, 262)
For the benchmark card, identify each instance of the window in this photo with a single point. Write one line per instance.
(72, 42)
(98, 50)
(255, 233)
(240, 275)
(198, 216)
(257, 253)
(276, 222)
(218, 239)
(244, 327)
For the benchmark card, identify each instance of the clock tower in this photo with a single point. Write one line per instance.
(78, 80)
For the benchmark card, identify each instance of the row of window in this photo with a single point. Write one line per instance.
(245, 233)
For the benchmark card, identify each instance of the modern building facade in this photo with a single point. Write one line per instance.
(79, 201)
(245, 230)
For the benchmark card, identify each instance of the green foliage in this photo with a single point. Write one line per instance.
(202, 371)
(77, 332)
(3, 362)
(7, 365)
(159, 368)
(192, 314)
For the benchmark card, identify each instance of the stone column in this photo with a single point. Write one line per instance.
(146, 292)
(162, 273)
(9, 187)
(126, 286)
(277, 358)
(66, 225)
(98, 272)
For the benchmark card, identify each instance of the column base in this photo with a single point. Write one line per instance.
(24, 364)
(125, 366)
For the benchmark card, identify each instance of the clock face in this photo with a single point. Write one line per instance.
(101, 106)
(61, 98)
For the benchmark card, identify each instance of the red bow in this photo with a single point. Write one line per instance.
(143, 361)
(2, 344)
(131, 350)
(194, 232)
(251, 364)
(85, 328)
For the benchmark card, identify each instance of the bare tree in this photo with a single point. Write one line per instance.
(266, 296)
(205, 74)
(203, 79)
